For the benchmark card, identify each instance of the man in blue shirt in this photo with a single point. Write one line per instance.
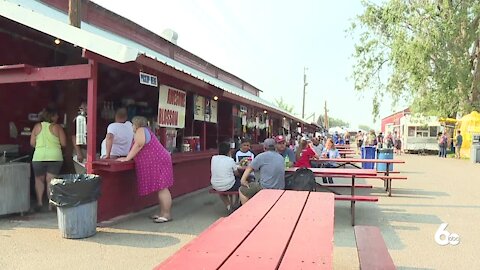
(271, 166)
(458, 144)
(336, 137)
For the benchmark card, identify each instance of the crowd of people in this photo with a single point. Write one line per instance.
(240, 170)
(231, 170)
(392, 141)
(444, 142)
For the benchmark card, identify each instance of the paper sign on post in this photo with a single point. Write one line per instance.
(171, 107)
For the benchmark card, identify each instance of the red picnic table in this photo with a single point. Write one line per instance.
(353, 173)
(330, 172)
(344, 152)
(342, 146)
(342, 162)
(251, 238)
(352, 161)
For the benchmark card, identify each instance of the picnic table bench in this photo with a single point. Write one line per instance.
(371, 248)
(350, 173)
(342, 162)
(352, 161)
(256, 241)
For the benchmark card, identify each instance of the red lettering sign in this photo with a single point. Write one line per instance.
(167, 117)
(176, 98)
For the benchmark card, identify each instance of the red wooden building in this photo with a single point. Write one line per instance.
(394, 119)
(110, 62)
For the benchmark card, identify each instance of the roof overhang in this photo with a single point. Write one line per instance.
(43, 18)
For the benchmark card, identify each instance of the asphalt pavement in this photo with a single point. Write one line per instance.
(437, 191)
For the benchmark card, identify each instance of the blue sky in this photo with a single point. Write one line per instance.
(268, 43)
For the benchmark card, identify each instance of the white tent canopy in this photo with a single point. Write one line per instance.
(339, 130)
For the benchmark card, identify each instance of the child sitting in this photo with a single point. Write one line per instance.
(244, 151)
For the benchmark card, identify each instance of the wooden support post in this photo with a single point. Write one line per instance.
(204, 129)
(204, 147)
(92, 116)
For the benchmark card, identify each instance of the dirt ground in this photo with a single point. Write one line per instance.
(437, 191)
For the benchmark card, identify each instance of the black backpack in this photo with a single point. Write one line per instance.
(302, 179)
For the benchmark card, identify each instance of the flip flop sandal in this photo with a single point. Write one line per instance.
(161, 220)
(155, 216)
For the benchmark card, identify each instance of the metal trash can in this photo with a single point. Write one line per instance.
(368, 152)
(384, 153)
(475, 148)
(75, 196)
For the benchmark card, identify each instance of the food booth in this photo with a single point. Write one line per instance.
(111, 62)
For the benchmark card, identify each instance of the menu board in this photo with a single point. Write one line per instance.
(205, 109)
(171, 107)
(211, 110)
(199, 108)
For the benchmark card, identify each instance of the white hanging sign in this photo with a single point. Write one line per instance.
(148, 79)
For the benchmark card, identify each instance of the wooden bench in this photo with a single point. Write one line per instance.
(384, 172)
(256, 241)
(386, 179)
(372, 251)
(353, 199)
(345, 185)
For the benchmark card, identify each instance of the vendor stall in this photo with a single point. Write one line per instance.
(110, 63)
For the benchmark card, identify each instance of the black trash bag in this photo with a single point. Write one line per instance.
(302, 179)
(70, 190)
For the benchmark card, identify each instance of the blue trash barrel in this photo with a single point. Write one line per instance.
(384, 153)
(369, 153)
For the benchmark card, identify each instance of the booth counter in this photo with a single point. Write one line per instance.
(191, 172)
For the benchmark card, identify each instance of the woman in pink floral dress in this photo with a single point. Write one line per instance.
(153, 166)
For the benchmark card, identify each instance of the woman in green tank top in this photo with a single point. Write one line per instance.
(47, 138)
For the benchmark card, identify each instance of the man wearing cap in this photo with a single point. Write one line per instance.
(282, 149)
(272, 172)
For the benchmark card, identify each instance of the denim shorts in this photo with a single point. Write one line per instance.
(41, 168)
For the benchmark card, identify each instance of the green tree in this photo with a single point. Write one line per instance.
(333, 122)
(283, 105)
(427, 51)
(364, 127)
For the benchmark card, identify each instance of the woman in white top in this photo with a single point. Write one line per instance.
(224, 170)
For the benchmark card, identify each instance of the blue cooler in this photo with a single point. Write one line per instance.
(368, 152)
(384, 153)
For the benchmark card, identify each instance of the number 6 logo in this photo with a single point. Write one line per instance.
(452, 239)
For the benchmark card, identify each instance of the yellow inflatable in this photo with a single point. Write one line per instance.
(468, 125)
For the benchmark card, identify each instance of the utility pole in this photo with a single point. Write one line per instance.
(304, 86)
(75, 12)
(326, 116)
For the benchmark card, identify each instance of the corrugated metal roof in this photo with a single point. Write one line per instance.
(46, 19)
